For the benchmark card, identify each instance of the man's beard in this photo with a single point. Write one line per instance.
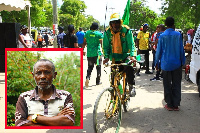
(45, 87)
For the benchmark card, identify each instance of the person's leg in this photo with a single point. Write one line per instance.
(153, 63)
(90, 66)
(130, 79)
(89, 70)
(147, 60)
(167, 79)
(47, 43)
(98, 67)
(176, 86)
(40, 44)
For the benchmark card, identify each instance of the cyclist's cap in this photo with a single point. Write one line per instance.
(115, 16)
(24, 27)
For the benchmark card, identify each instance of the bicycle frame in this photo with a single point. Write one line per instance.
(116, 76)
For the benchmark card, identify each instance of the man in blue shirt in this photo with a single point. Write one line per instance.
(80, 34)
(171, 53)
(60, 37)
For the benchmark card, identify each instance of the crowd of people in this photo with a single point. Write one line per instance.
(118, 44)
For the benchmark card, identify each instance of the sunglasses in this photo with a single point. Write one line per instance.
(115, 22)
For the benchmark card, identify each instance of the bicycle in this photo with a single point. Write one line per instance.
(109, 113)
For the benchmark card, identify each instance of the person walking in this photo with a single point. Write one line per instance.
(39, 40)
(118, 46)
(24, 38)
(153, 48)
(160, 30)
(143, 46)
(93, 40)
(171, 53)
(46, 39)
(80, 34)
(60, 37)
(70, 40)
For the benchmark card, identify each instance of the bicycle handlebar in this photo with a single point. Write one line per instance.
(127, 63)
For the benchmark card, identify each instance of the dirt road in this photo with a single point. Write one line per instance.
(146, 112)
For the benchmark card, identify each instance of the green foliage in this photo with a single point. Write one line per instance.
(72, 12)
(139, 14)
(19, 78)
(185, 13)
(40, 12)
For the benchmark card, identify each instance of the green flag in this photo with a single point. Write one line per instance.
(126, 15)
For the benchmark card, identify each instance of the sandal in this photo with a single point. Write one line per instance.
(168, 108)
(176, 109)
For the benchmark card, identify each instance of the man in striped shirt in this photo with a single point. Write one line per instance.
(45, 105)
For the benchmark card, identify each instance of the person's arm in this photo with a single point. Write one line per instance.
(76, 42)
(21, 113)
(158, 51)
(106, 48)
(22, 41)
(101, 42)
(76, 45)
(59, 120)
(83, 46)
(182, 52)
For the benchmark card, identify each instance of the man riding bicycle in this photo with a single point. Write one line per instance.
(118, 46)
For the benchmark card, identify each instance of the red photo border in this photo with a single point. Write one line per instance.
(81, 88)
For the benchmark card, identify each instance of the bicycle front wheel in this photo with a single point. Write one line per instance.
(107, 111)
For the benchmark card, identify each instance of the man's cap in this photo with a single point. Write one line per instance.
(145, 24)
(115, 16)
(94, 26)
(60, 28)
(24, 27)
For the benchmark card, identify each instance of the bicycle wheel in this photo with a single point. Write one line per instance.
(107, 113)
(126, 96)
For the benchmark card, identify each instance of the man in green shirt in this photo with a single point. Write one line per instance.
(118, 46)
(93, 40)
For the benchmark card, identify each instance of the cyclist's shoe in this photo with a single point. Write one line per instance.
(132, 91)
(87, 83)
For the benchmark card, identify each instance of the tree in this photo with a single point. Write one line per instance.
(40, 12)
(72, 12)
(139, 14)
(185, 13)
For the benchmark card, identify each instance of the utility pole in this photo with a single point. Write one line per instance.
(55, 17)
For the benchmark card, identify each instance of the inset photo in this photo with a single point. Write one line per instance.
(43, 88)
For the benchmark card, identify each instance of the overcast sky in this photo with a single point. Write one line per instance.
(97, 8)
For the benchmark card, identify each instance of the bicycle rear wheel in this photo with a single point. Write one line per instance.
(107, 112)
